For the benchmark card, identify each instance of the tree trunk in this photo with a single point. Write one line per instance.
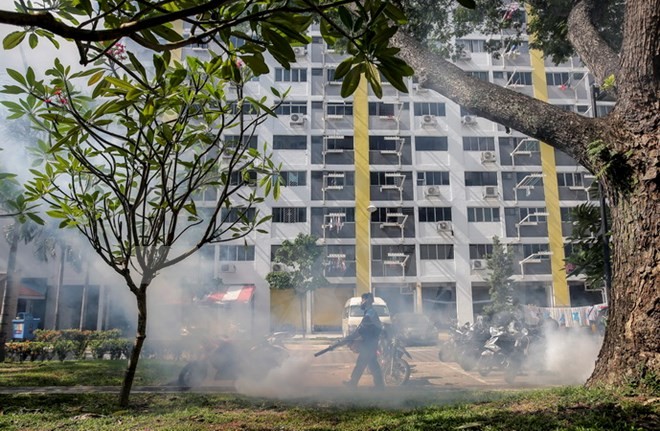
(140, 336)
(9, 299)
(631, 349)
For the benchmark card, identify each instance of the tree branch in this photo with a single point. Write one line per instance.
(566, 131)
(601, 60)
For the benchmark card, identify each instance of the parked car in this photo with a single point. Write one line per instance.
(415, 328)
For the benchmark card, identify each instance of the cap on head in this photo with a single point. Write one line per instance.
(368, 297)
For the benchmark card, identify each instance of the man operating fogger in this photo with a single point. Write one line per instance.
(365, 339)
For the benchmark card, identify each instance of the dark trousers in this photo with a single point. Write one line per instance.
(368, 357)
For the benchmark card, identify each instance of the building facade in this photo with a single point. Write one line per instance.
(405, 193)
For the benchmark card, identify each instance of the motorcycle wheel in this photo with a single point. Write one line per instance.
(485, 365)
(399, 374)
(467, 362)
(445, 353)
(192, 374)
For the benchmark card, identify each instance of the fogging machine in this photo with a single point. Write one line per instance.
(333, 346)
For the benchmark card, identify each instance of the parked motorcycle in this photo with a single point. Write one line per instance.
(391, 352)
(471, 345)
(448, 351)
(231, 359)
(506, 349)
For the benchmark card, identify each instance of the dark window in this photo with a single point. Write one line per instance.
(436, 251)
(480, 251)
(288, 108)
(380, 109)
(519, 78)
(478, 143)
(483, 76)
(429, 108)
(480, 178)
(558, 79)
(231, 253)
(293, 178)
(248, 178)
(289, 142)
(380, 143)
(431, 143)
(230, 215)
(433, 178)
(289, 215)
(434, 214)
(338, 143)
(290, 75)
(339, 109)
(479, 214)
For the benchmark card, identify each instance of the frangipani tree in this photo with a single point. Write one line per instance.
(125, 165)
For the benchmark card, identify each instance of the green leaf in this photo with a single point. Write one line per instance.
(17, 76)
(96, 78)
(33, 40)
(351, 81)
(343, 68)
(13, 39)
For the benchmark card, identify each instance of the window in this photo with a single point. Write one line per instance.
(339, 109)
(289, 142)
(293, 178)
(472, 45)
(330, 75)
(478, 143)
(338, 143)
(519, 78)
(246, 108)
(530, 249)
(480, 178)
(429, 108)
(480, 251)
(231, 141)
(430, 178)
(480, 214)
(570, 179)
(349, 213)
(385, 143)
(289, 215)
(431, 143)
(233, 253)
(558, 79)
(339, 179)
(582, 109)
(436, 251)
(498, 75)
(288, 108)
(381, 214)
(566, 214)
(531, 214)
(231, 215)
(290, 75)
(483, 76)
(386, 178)
(434, 214)
(380, 109)
(238, 178)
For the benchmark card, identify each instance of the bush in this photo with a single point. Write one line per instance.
(114, 347)
(69, 343)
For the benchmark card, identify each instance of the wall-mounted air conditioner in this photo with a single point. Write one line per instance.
(479, 264)
(278, 267)
(227, 267)
(297, 119)
(468, 119)
(490, 192)
(299, 51)
(428, 119)
(443, 226)
(488, 156)
(432, 191)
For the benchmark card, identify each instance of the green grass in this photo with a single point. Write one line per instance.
(555, 409)
(567, 408)
(85, 373)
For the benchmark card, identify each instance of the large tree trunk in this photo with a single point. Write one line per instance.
(624, 146)
(140, 336)
(9, 301)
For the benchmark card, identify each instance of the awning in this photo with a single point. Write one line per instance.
(239, 293)
(26, 292)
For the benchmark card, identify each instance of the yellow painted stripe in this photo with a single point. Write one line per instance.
(362, 195)
(560, 292)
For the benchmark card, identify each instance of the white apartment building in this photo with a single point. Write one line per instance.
(405, 194)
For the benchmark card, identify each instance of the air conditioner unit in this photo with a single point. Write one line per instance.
(490, 192)
(432, 191)
(279, 267)
(227, 267)
(468, 119)
(428, 119)
(443, 226)
(488, 156)
(299, 51)
(479, 264)
(297, 119)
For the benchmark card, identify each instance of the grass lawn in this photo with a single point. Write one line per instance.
(568, 408)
